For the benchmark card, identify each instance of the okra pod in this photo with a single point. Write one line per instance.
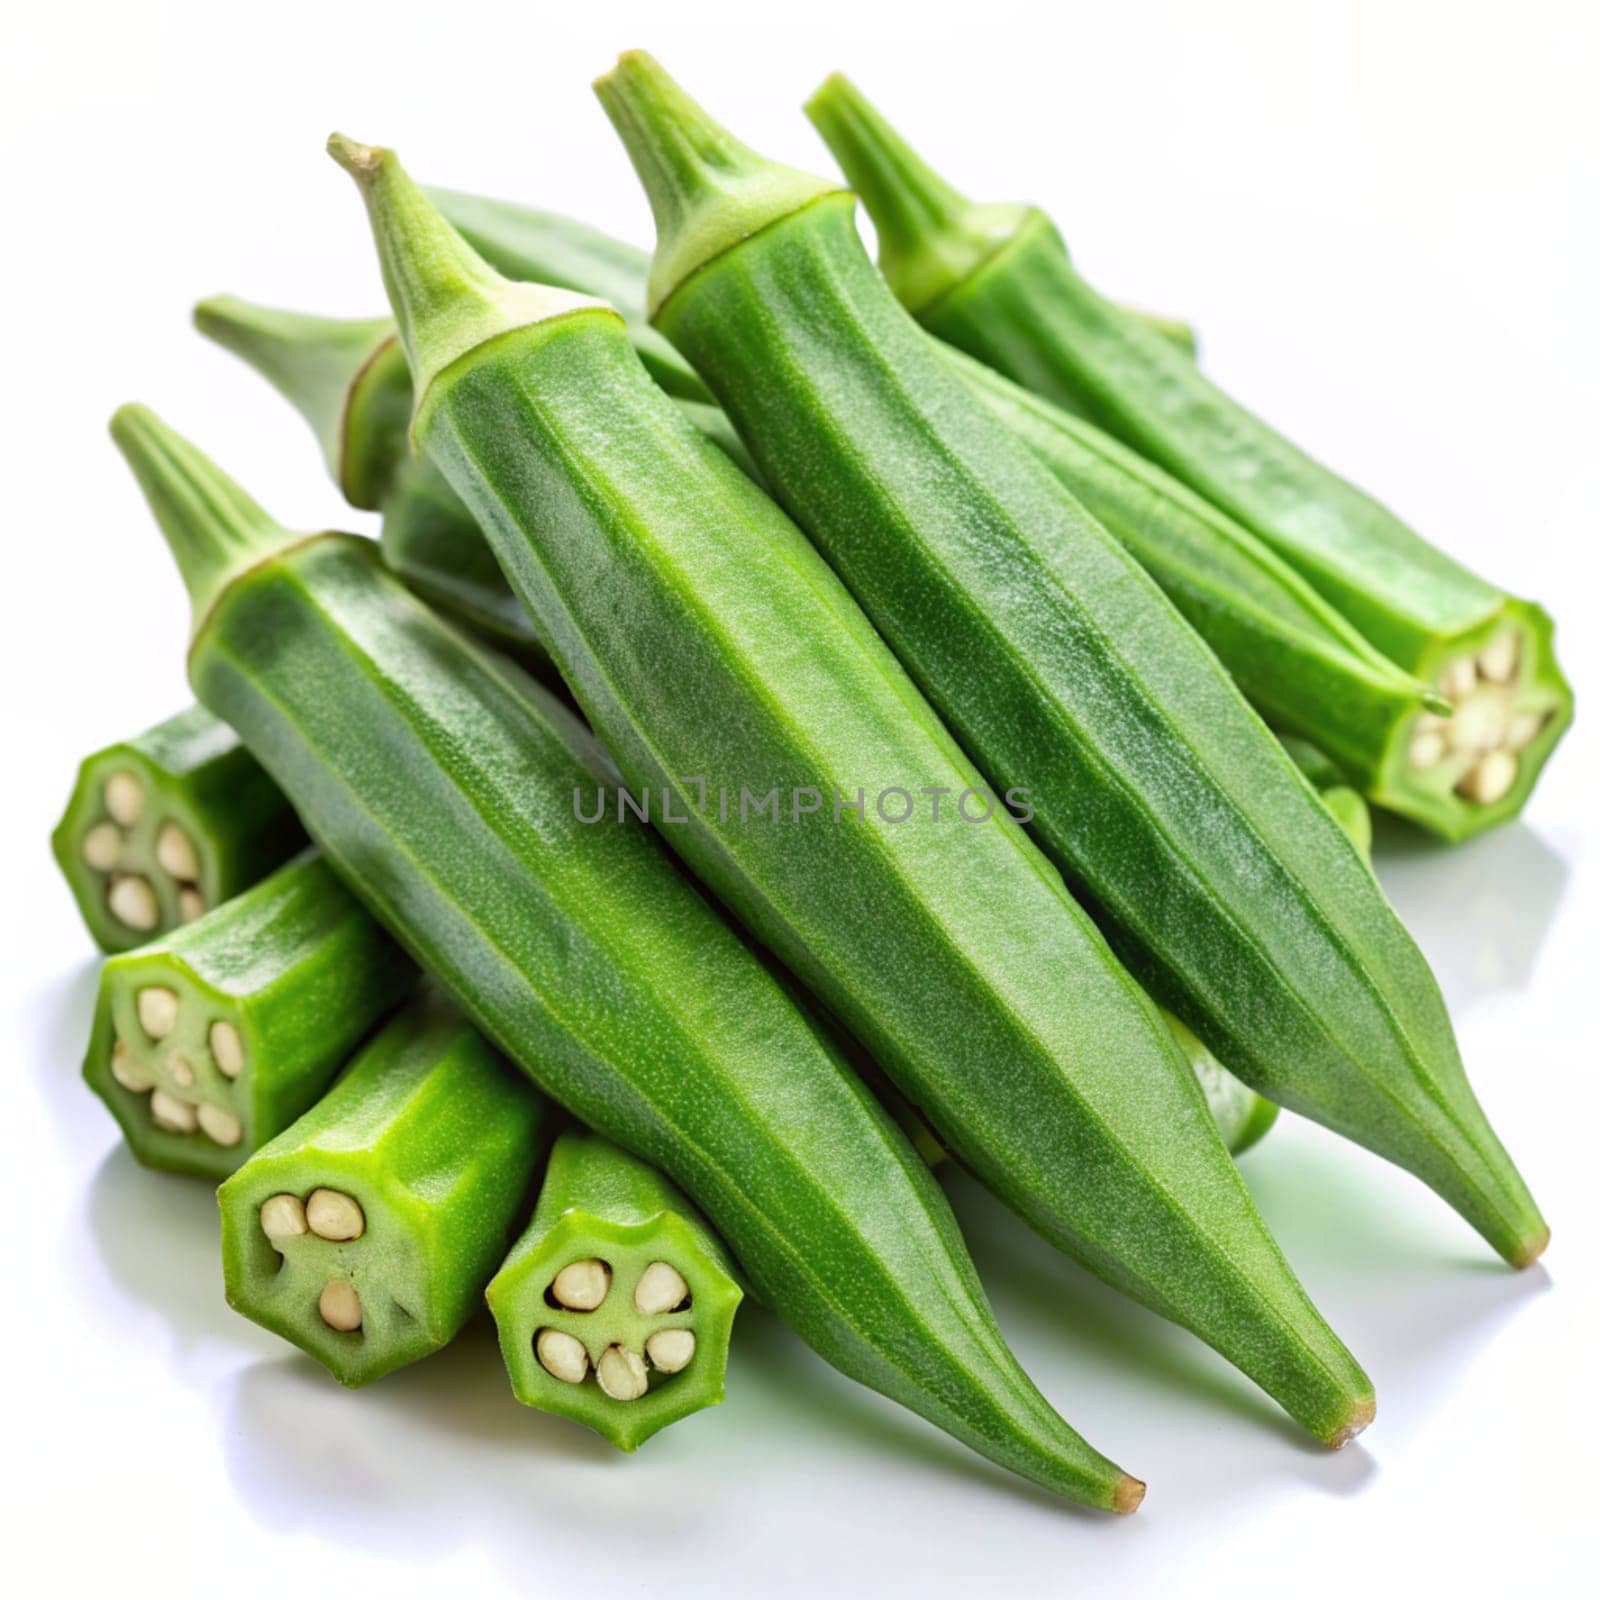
(1230, 891)
(712, 649)
(616, 1305)
(210, 1042)
(997, 282)
(162, 827)
(441, 783)
(366, 1232)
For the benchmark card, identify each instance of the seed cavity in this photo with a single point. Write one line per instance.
(340, 1306)
(621, 1372)
(102, 846)
(561, 1355)
(133, 903)
(158, 1011)
(671, 1349)
(182, 1070)
(582, 1285)
(1489, 779)
(124, 798)
(176, 852)
(220, 1125)
(1480, 722)
(660, 1288)
(1427, 750)
(227, 1048)
(1459, 679)
(171, 1114)
(335, 1216)
(282, 1217)
(191, 903)
(129, 1071)
(1523, 729)
(1497, 661)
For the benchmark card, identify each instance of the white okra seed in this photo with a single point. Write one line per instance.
(282, 1217)
(191, 903)
(340, 1305)
(1427, 750)
(561, 1355)
(124, 798)
(129, 1071)
(171, 1114)
(1523, 729)
(621, 1372)
(660, 1288)
(102, 846)
(220, 1125)
(133, 903)
(158, 1010)
(1497, 661)
(1480, 721)
(670, 1349)
(227, 1048)
(176, 853)
(1489, 779)
(1459, 679)
(333, 1215)
(182, 1070)
(582, 1285)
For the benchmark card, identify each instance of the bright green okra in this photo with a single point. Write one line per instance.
(441, 783)
(164, 826)
(713, 650)
(1231, 892)
(366, 1232)
(210, 1042)
(996, 281)
(616, 1305)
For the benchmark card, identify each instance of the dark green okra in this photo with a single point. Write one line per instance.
(441, 784)
(997, 282)
(161, 827)
(1230, 891)
(713, 650)
(212, 1041)
(616, 1305)
(1328, 779)
(365, 1233)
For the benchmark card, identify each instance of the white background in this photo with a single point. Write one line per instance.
(1381, 216)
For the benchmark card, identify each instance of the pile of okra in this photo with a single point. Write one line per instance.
(805, 723)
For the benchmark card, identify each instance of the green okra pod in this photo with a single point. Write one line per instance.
(210, 1042)
(616, 1305)
(996, 281)
(365, 1232)
(441, 784)
(723, 663)
(1229, 890)
(164, 826)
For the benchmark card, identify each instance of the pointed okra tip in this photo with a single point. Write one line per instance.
(445, 297)
(213, 528)
(707, 189)
(930, 235)
(1128, 1496)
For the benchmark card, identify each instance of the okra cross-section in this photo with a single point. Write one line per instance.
(208, 1044)
(616, 1305)
(366, 1232)
(162, 827)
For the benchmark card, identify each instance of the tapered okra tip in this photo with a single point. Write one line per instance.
(1357, 1420)
(361, 161)
(1128, 1496)
(1531, 1249)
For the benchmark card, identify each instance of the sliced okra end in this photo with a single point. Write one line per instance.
(623, 1328)
(320, 1251)
(1509, 706)
(170, 1056)
(135, 858)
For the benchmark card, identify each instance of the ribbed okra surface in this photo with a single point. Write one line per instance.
(441, 782)
(616, 1305)
(996, 281)
(162, 827)
(212, 1041)
(366, 1231)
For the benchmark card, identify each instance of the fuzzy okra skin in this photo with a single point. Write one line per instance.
(440, 781)
(996, 281)
(712, 649)
(163, 826)
(1231, 892)
(366, 1231)
(616, 1305)
(212, 1041)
